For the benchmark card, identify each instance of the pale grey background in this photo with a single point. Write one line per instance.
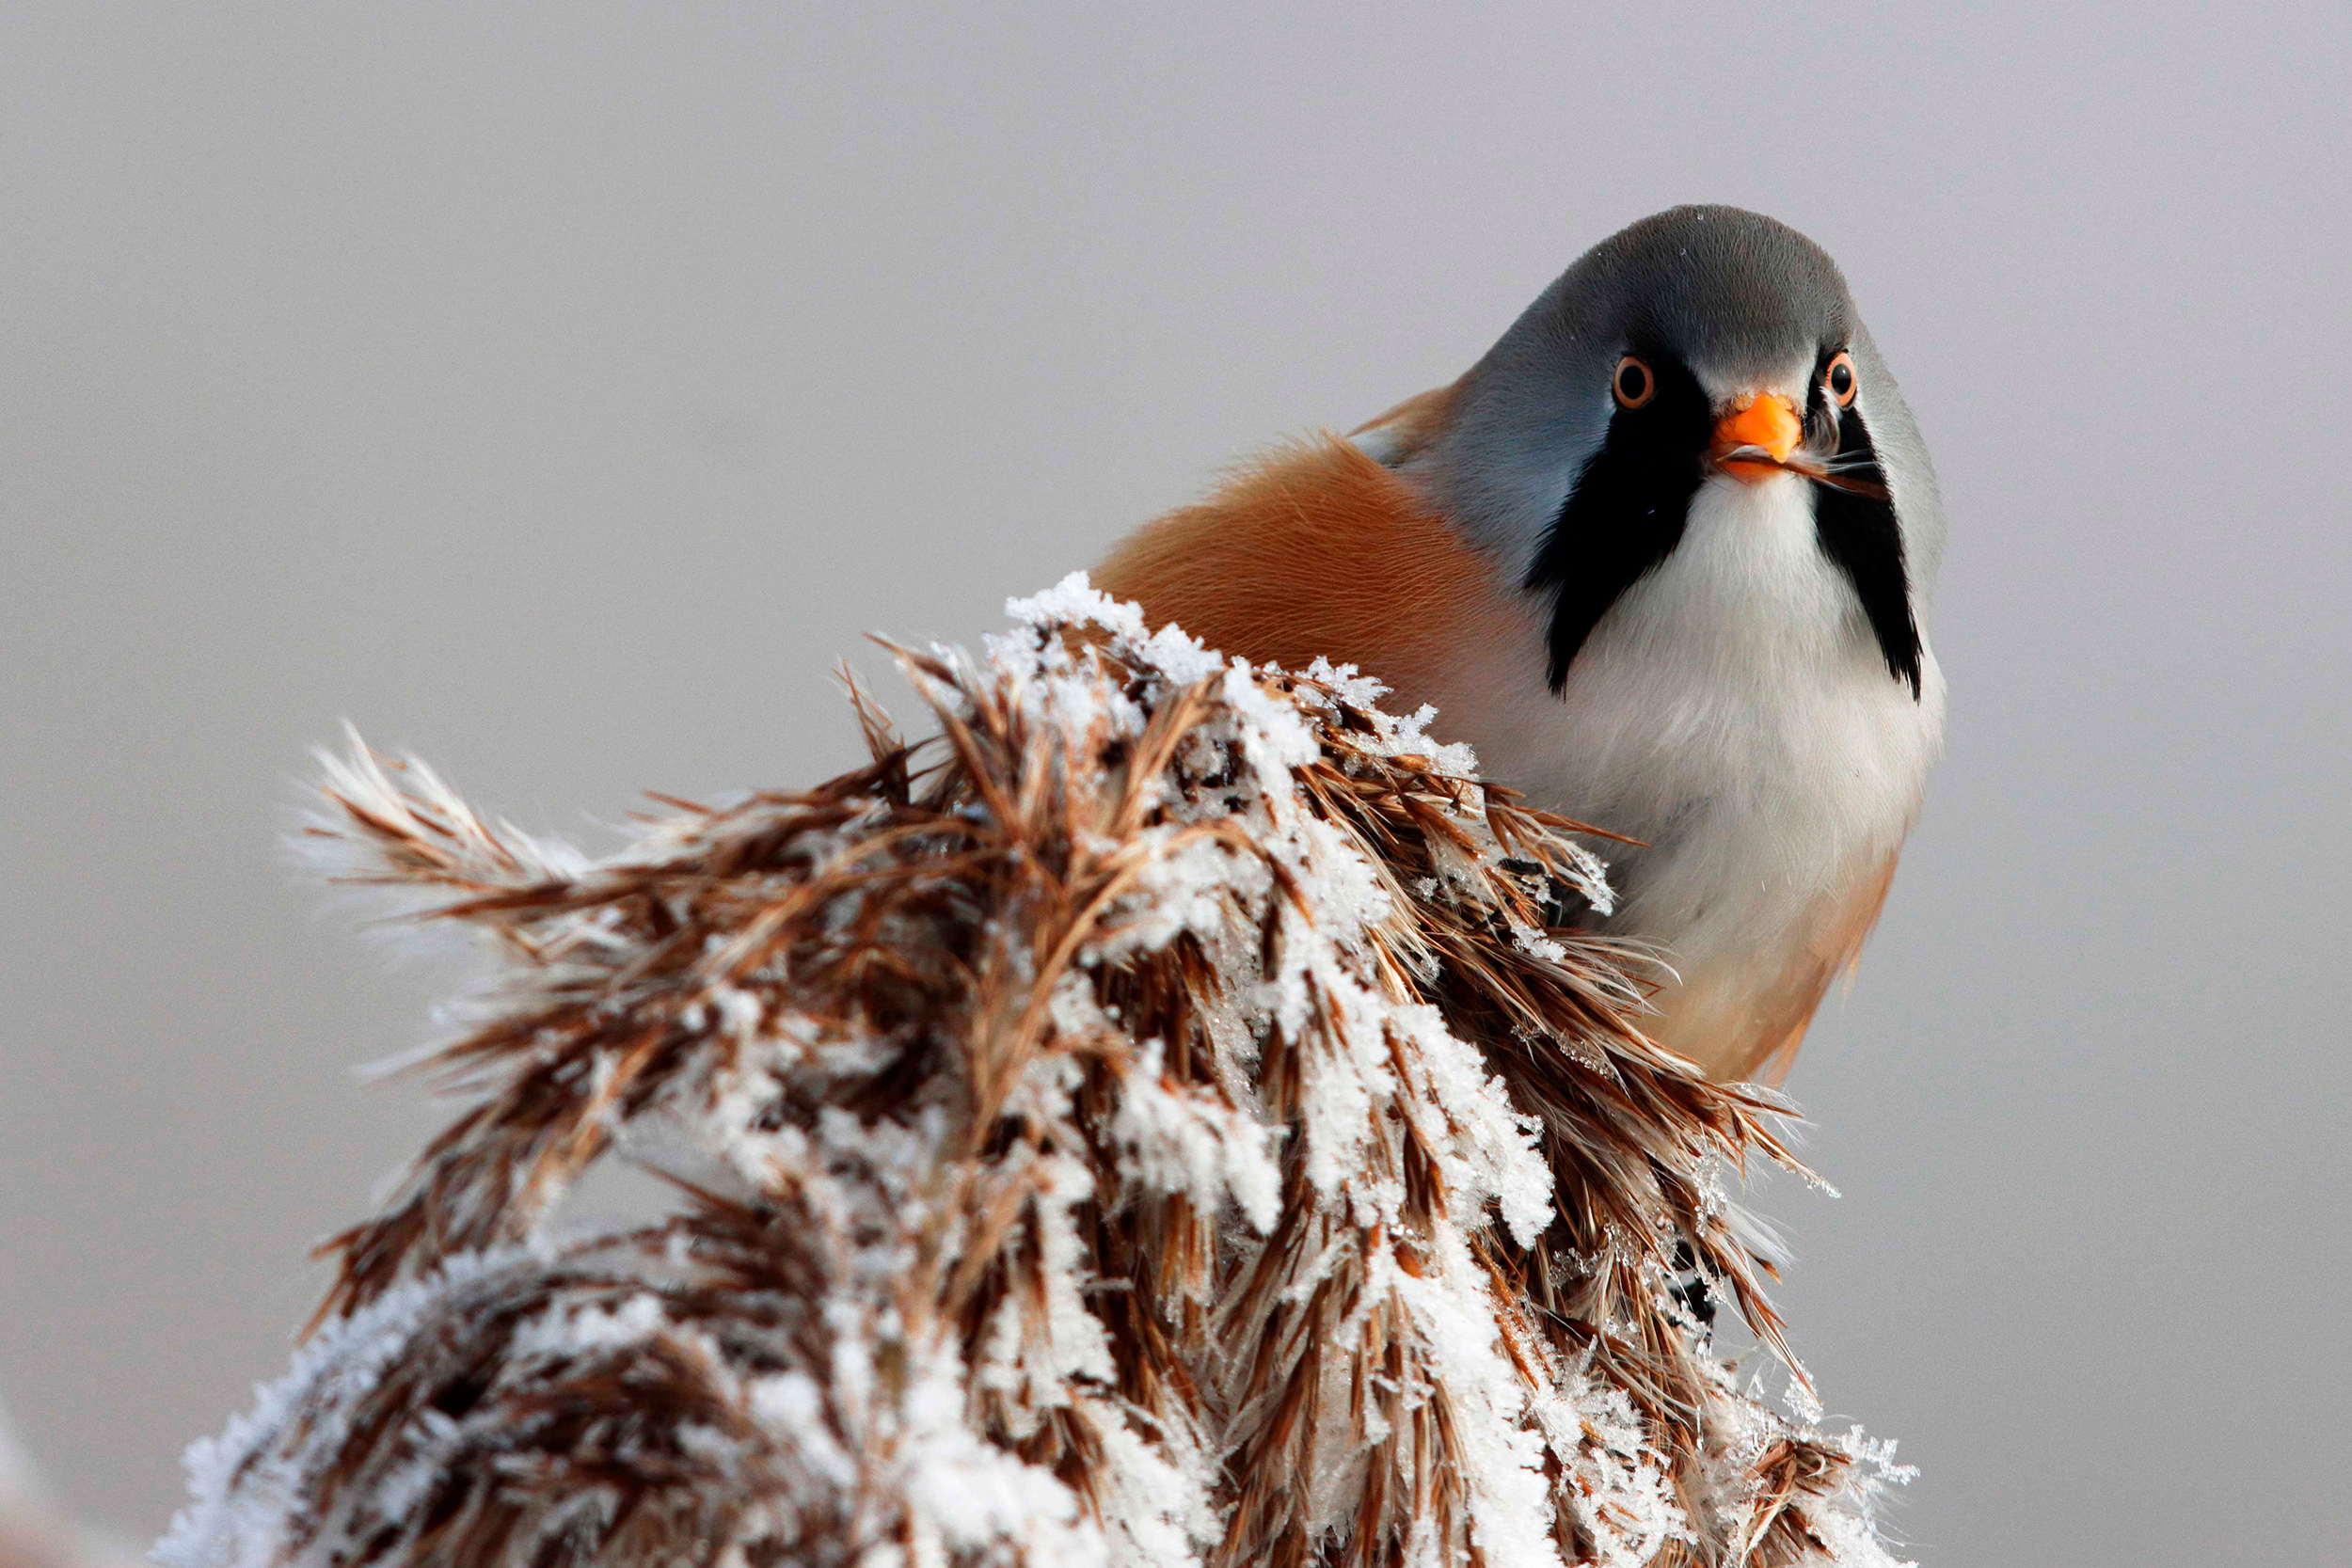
(558, 391)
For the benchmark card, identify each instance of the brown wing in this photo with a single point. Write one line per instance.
(1316, 550)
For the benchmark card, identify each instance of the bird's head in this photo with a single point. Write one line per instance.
(1705, 345)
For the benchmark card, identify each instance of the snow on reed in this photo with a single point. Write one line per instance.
(1146, 1123)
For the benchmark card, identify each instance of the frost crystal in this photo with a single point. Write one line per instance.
(1147, 1124)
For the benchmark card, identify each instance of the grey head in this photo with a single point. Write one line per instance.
(1704, 344)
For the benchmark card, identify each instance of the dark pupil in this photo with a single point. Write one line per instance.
(1632, 381)
(1841, 380)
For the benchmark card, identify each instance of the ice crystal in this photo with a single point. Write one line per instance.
(1149, 1124)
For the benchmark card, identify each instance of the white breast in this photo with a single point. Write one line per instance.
(1732, 710)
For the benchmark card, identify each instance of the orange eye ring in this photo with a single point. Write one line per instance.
(1838, 378)
(1632, 384)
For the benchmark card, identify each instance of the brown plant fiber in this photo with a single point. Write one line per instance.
(1144, 1123)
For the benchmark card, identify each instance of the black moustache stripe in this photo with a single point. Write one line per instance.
(1625, 512)
(1860, 534)
(1628, 508)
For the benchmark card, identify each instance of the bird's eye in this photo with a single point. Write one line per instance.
(1634, 383)
(1838, 378)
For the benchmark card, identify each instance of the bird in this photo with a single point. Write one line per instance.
(1663, 556)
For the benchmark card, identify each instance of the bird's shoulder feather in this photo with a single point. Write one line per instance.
(1315, 549)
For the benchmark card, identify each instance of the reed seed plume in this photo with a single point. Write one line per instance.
(1145, 1122)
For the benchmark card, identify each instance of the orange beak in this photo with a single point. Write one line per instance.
(1756, 436)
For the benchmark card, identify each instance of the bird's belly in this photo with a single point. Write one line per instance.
(1733, 713)
(1752, 805)
(1770, 820)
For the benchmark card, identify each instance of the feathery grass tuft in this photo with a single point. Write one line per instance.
(1145, 1123)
